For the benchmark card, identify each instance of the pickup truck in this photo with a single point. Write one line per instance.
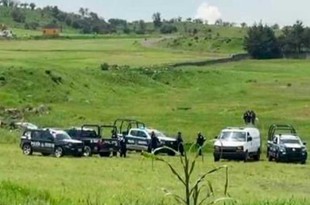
(95, 143)
(285, 145)
(138, 139)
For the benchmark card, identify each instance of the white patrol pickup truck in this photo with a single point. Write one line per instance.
(238, 143)
(138, 139)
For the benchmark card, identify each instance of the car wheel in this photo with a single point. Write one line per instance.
(58, 152)
(277, 158)
(246, 156)
(257, 156)
(27, 149)
(87, 151)
(45, 154)
(269, 158)
(303, 162)
(216, 158)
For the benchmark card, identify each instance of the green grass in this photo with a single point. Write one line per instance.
(116, 180)
(215, 97)
(64, 54)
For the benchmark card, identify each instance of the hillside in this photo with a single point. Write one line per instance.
(71, 82)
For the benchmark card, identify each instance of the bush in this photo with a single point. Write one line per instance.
(18, 16)
(104, 66)
(168, 28)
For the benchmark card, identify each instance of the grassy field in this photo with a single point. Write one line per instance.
(187, 99)
(47, 180)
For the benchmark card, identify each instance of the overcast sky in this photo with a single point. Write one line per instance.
(283, 12)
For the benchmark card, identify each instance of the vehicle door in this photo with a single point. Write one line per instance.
(47, 142)
(250, 143)
(36, 140)
(132, 140)
(142, 140)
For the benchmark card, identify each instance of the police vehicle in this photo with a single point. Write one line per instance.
(138, 139)
(95, 143)
(285, 145)
(50, 141)
(138, 136)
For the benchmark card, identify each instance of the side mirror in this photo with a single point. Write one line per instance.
(250, 139)
(304, 143)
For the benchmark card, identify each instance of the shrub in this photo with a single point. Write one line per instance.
(104, 66)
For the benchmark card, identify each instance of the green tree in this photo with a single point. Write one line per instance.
(32, 6)
(293, 39)
(18, 15)
(261, 42)
(157, 20)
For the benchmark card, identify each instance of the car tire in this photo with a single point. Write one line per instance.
(270, 158)
(87, 151)
(303, 162)
(58, 152)
(246, 156)
(45, 154)
(216, 158)
(257, 156)
(27, 149)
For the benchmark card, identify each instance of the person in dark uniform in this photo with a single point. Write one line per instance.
(200, 141)
(253, 117)
(180, 143)
(154, 142)
(123, 146)
(247, 117)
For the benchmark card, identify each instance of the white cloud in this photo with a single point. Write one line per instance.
(208, 13)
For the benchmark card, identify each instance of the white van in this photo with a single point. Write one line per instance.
(238, 143)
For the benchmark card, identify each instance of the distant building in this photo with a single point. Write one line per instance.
(51, 30)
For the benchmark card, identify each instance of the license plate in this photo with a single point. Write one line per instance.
(80, 150)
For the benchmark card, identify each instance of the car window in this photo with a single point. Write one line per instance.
(142, 134)
(36, 135)
(46, 136)
(134, 133)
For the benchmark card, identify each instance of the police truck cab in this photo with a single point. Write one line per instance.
(238, 143)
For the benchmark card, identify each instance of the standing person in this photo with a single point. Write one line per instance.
(199, 142)
(245, 117)
(180, 143)
(123, 146)
(154, 142)
(253, 117)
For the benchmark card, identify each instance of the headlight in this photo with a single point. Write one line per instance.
(216, 148)
(69, 145)
(240, 148)
(282, 149)
(304, 149)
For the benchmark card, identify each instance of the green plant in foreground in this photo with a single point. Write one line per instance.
(193, 190)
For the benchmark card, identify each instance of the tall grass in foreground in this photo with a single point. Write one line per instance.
(193, 190)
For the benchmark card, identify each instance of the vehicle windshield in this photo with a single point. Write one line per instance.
(62, 136)
(233, 136)
(157, 133)
(290, 141)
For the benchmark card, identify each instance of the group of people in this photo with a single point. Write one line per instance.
(179, 141)
(249, 117)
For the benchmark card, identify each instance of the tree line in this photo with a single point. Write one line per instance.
(261, 41)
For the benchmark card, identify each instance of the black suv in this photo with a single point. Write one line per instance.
(50, 141)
